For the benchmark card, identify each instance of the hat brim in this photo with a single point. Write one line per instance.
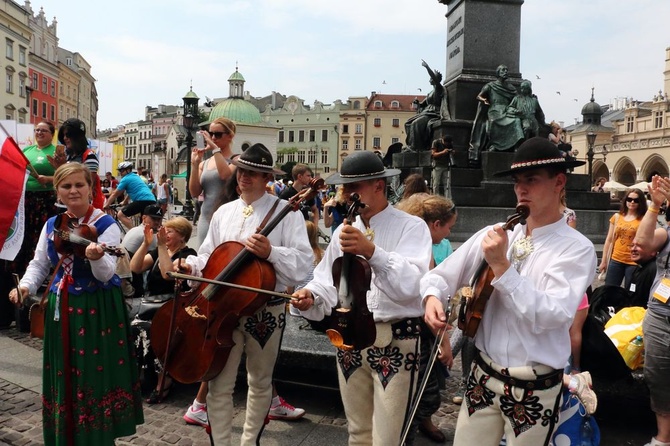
(337, 178)
(270, 170)
(567, 164)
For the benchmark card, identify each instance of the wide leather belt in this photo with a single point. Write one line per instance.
(409, 327)
(542, 382)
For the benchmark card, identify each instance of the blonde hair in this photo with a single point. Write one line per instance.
(313, 236)
(227, 124)
(429, 207)
(68, 169)
(181, 226)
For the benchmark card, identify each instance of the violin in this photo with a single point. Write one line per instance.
(476, 296)
(352, 324)
(193, 333)
(71, 237)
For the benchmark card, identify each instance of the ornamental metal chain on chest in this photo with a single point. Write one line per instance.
(521, 249)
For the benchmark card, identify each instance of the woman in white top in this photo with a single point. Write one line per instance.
(163, 193)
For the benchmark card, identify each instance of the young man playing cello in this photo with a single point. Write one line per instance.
(287, 249)
(375, 382)
(541, 269)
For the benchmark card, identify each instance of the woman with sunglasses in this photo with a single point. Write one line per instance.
(617, 259)
(208, 176)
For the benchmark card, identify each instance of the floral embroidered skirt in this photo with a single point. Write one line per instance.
(104, 389)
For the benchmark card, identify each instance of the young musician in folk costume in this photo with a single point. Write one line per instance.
(90, 388)
(541, 269)
(376, 382)
(287, 249)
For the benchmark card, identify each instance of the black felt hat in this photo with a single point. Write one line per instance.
(536, 153)
(361, 166)
(257, 158)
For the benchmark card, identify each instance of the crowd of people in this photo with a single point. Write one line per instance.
(527, 347)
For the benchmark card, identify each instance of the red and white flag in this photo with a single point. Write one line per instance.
(13, 164)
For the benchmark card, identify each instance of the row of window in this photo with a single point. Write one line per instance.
(9, 52)
(377, 123)
(46, 82)
(358, 143)
(658, 121)
(304, 157)
(301, 136)
(45, 107)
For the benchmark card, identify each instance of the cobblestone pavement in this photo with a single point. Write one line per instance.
(324, 423)
(623, 413)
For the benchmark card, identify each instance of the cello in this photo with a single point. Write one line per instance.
(476, 296)
(196, 328)
(352, 324)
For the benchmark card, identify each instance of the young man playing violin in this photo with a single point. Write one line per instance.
(288, 251)
(541, 270)
(375, 381)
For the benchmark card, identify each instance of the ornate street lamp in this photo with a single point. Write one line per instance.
(591, 139)
(190, 116)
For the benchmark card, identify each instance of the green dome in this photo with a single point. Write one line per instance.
(237, 110)
(236, 76)
(592, 108)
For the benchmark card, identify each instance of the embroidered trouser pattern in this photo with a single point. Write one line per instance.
(259, 336)
(492, 408)
(376, 384)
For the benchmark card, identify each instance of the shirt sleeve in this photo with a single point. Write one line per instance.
(39, 266)
(105, 267)
(397, 272)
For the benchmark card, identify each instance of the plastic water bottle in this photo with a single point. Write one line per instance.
(586, 432)
(632, 355)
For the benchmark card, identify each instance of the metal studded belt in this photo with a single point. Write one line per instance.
(409, 327)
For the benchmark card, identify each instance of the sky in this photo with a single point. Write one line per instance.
(150, 52)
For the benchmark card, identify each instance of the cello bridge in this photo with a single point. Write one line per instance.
(193, 311)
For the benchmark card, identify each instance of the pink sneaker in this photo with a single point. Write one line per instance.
(284, 411)
(197, 417)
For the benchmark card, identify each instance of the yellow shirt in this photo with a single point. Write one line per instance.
(624, 233)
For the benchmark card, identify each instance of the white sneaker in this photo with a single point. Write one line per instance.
(584, 392)
(197, 417)
(284, 411)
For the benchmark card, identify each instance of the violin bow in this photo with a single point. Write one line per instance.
(424, 380)
(228, 284)
(18, 289)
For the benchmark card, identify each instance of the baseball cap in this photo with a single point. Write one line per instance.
(153, 211)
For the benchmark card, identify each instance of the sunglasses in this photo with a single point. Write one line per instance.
(218, 134)
(632, 200)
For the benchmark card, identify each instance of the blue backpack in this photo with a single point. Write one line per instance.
(575, 426)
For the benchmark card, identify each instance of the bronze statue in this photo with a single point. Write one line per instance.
(493, 128)
(430, 111)
(527, 108)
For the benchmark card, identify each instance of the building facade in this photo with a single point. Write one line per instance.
(44, 76)
(307, 135)
(16, 35)
(633, 143)
(385, 118)
(352, 127)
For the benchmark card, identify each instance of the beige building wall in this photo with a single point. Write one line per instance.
(638, 144)
(15, 40)
(352, 127)
(67, 98)
(385, 120)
